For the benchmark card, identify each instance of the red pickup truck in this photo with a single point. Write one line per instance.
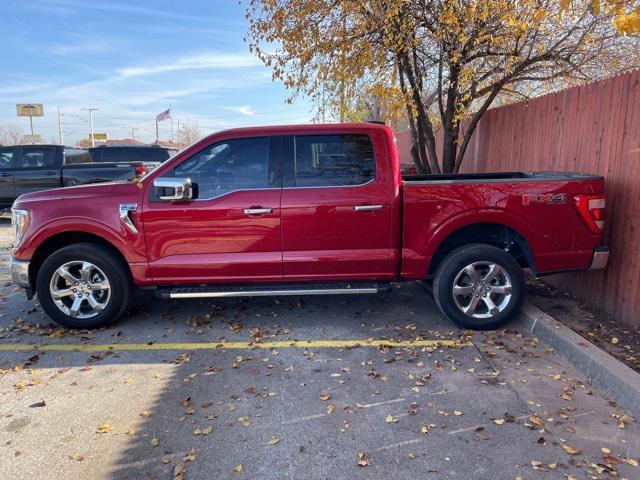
(303, 210)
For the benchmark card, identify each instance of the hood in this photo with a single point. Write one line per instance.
(81, 192)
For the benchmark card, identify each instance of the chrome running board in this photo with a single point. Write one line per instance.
(273, 290)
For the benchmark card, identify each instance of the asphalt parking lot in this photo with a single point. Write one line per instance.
(306, 388)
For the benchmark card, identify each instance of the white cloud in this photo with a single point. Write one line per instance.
(194, 62)
(70, 7)
(245, 110)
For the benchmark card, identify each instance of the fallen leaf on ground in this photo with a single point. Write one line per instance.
(570, 450)
(179, 471)
(104, 428)
(237, 468)
(363, 460)
(155, 441)
(536, 420)
(324, 397)
(191, 455)
(273, 441)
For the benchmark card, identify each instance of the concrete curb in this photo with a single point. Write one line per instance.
(606, 372)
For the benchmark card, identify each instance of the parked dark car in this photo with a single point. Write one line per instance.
(131, 153)
(30, 168)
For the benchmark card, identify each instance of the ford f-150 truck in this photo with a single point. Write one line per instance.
(303, 210)
(29, 168)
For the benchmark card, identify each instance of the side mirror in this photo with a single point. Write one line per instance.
(173, 189)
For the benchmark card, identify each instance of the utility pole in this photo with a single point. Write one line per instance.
(133, 134)
(178, 134)
(60, 127)
(91, 110)
(157, 134)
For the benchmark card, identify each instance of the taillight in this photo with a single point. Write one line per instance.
(592, 210)
(141, 170)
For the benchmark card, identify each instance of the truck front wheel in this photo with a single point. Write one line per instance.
(84, 285)
(479, 286)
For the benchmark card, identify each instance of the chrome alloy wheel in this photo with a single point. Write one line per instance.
(482, 290)
(80, 289)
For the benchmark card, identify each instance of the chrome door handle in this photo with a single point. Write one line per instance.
(257, 211)
(367, 208)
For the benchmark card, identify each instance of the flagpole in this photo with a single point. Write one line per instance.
(157, 136)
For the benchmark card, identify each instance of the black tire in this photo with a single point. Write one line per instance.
(113, 268)
(478, 254)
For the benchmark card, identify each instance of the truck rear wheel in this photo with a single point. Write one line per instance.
(84, 285)
(479, 286)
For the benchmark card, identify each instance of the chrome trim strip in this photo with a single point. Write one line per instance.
(125, 208)
(20, 272)
(269, 293)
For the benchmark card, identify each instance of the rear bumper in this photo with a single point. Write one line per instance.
(600, 258)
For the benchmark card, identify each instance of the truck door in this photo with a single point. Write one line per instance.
(7, 190)
(336, 208)
(37, 168)
(231, 231)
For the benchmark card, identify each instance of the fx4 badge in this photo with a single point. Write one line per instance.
(544, 198)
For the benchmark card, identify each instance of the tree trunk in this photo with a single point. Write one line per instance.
(424, 126)
(417, 150)
(449, 148)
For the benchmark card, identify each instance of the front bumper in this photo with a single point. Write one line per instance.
(20, 273)
(600, 258)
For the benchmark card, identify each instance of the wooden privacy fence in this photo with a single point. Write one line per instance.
(593, 128)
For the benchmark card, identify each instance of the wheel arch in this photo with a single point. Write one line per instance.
(63, 239)
(492, 231)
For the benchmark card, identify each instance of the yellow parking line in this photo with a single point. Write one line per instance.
(65, 347)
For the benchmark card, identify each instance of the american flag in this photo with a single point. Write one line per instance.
(166, 115)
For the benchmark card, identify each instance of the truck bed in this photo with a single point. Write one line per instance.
(498, 177)
(540, 207)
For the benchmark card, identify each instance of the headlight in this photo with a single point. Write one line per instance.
(20, 220)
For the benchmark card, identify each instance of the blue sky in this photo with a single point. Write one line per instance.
(131, 60)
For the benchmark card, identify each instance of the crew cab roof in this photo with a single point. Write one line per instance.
(310, 127)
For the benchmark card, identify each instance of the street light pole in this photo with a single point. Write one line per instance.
(91, 110)
(60, 126)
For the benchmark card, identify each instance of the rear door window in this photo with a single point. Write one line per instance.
(333, 160)
(37, 158)
(76, 155)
